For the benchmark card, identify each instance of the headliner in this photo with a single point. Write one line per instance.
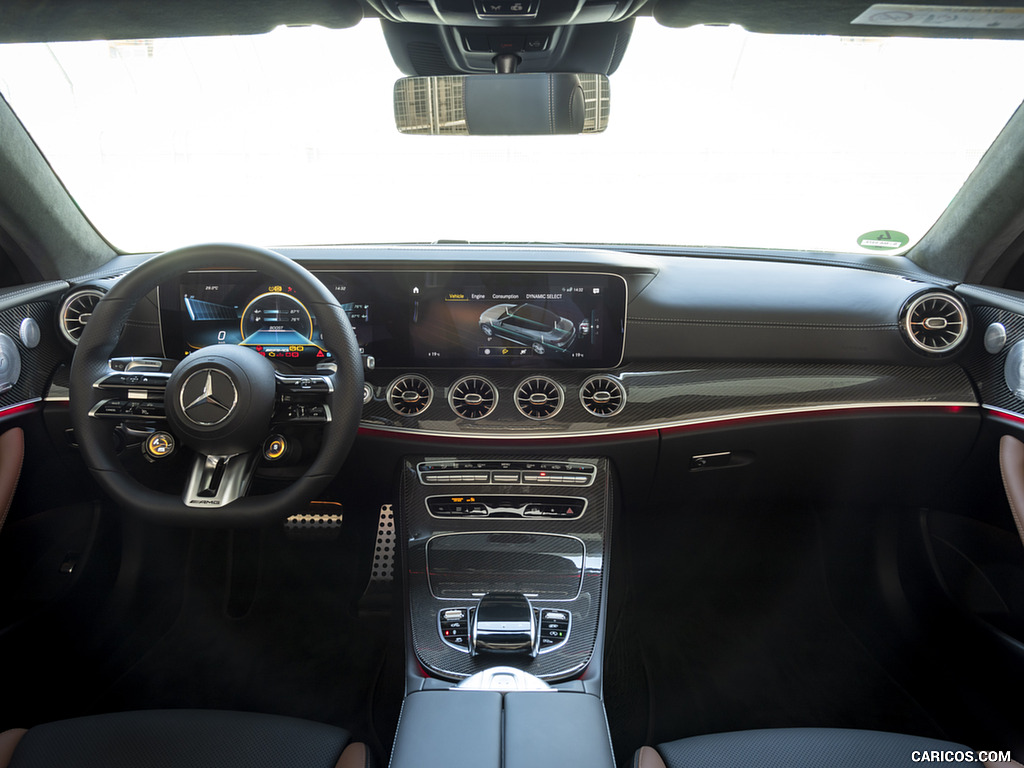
(54, 20)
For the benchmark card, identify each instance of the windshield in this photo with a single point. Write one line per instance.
(717, 137)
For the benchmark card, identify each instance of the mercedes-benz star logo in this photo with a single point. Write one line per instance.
(208, 396)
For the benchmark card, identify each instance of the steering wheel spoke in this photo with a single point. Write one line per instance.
(218, 480)
(131, 394)
(303, 399)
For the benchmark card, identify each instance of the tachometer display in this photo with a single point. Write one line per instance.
(240, 308)
(276, 320)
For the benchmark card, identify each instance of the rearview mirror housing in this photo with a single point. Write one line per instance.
(503, 105)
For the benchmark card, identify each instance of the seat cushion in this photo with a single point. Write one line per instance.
(181, 739)
(807, 748)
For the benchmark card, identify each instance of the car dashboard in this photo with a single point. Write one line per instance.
(655, 342)
(670, 342)
(533, 418)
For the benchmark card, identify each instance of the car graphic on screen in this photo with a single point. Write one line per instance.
(528, 324)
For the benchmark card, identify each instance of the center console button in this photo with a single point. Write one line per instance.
(554, 629)
(453, 626)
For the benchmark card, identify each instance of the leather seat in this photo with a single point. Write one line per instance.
(802, 748)
(182, 739)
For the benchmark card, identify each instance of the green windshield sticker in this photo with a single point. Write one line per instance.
(883, 240)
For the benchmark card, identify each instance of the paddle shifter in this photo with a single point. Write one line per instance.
(504, 623)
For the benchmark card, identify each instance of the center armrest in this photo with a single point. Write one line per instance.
(486, 729)
(554, 730)
(449, 729)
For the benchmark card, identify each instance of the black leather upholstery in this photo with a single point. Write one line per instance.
(545, 729)
(808, 748)
(449, 729)
(181, 739)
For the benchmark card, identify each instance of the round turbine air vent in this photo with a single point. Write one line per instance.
(472, 397)
(935, 322)
(76, 311)
(538, 398)
(602, 396)
(410, 395)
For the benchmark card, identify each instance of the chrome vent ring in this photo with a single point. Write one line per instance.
(76, 311)
(472, 397)
(538, 398)
(409, 395)
(935, 322)
(603, 396)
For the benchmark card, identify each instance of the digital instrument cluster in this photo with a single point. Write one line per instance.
(410, 318)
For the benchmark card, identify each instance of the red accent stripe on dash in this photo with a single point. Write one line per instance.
(505, 442)
(1013, 418)
(14, 410)
(729, 421)
(649, 431)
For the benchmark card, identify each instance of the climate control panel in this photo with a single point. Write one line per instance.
(485, 505)
(506, 473)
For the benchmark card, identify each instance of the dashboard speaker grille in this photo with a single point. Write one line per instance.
(538, 398)
(410, 395)
(602, 396)
(76, 311)
(935, 322)
(472, 397)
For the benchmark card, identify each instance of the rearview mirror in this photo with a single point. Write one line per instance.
(503, 105)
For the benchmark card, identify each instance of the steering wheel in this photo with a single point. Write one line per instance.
(219, 401)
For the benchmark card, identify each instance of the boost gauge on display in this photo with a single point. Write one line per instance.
(277, 325)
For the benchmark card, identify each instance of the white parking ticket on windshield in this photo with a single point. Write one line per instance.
(952, 16)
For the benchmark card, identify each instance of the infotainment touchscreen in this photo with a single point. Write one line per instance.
(425, 318)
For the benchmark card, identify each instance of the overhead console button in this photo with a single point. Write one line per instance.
(519, 8)
(536, 43)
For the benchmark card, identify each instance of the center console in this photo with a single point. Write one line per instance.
(505, 563)
(506, 579)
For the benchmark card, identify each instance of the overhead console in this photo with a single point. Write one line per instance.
(444, 319)
(541, 45)
(497, 12)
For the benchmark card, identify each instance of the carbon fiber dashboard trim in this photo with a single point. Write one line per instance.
(593, 529)
(37, 364)
(684, 395)
(986, 369)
